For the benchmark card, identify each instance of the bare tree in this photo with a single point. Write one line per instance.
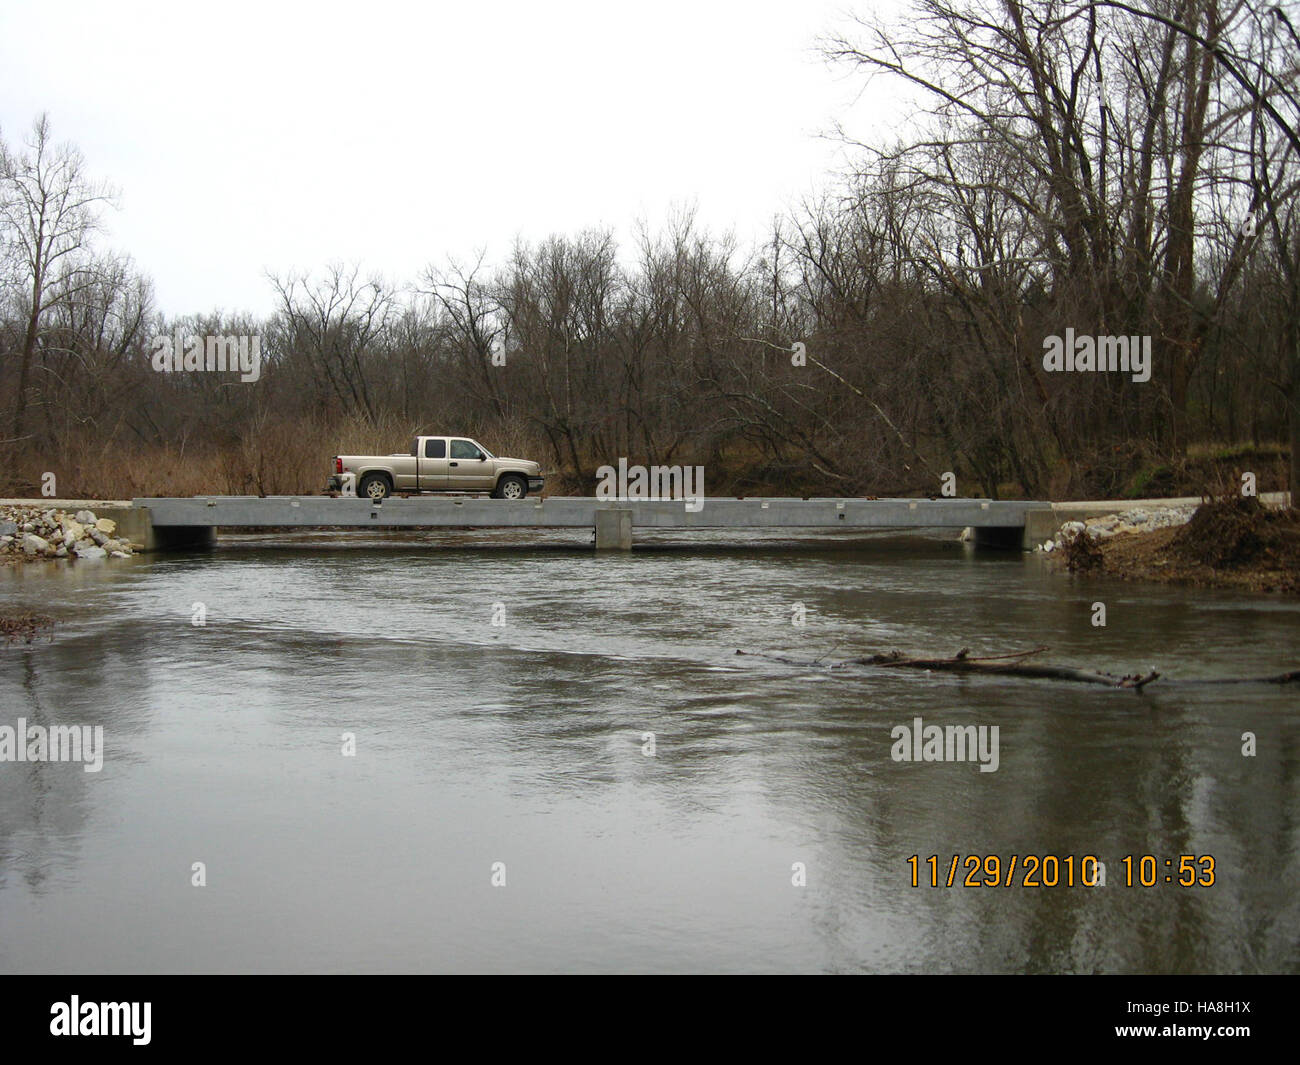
(475, 330)
(1080, 162)
(49, 208)
(334, 326)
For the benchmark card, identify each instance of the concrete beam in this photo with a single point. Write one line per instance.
(575, 512)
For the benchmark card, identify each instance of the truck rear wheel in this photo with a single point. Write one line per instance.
(374, 486)
(511, 486)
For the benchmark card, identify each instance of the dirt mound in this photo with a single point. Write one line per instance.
(1235, 543)
(1225, 533)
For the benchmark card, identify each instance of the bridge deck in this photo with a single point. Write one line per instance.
(573, 512)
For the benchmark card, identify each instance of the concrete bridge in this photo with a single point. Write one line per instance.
(176, 523)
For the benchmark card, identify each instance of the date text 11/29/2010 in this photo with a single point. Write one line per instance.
(1048, 870)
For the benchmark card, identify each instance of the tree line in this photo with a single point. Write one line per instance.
(1100, 167)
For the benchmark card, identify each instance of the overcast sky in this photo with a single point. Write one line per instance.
(247, 137)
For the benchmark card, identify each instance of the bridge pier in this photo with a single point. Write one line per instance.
(613, 530)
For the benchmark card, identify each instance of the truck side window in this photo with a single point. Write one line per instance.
(463, 449)
(435, 449)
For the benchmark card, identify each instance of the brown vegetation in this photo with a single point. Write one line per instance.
(26, 627)
(1082, 552)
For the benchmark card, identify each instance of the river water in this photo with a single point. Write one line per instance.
(507, 808)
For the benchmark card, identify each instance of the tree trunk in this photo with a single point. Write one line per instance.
(25, 367)
(1293, 421)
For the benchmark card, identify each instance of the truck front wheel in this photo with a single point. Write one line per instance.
(374, 486)
(511, 486)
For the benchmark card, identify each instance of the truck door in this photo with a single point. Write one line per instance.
(433, 464)
(469, 468)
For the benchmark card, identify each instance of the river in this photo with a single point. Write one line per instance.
(557, 762)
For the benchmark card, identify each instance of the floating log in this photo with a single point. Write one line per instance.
(1014, 664)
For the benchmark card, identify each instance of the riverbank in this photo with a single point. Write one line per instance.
(33, 532)
(1239, 543)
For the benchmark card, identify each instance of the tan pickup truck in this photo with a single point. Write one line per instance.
(438, 464)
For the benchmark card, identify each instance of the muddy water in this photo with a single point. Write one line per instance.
(501, 702)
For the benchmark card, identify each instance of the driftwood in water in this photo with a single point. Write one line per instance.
(26, 627)
(1014, 665)
(1011, 665)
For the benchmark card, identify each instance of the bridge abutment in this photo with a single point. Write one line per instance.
(1040, 526)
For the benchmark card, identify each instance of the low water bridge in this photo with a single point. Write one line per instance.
(172, 523)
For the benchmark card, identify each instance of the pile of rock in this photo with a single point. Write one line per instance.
(36, 533)
(1140, 519)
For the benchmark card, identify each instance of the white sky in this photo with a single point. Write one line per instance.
(253, 136)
